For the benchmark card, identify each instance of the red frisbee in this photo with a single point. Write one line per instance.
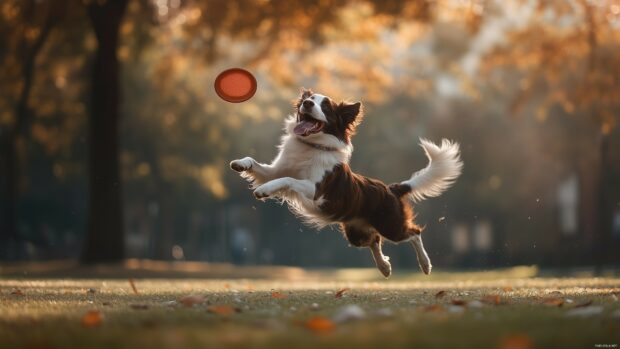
(235, 85)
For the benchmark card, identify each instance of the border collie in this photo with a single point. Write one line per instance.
(311, 174)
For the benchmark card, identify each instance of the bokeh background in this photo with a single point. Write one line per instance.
(114, 144)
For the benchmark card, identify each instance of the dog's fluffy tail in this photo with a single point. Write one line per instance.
(444, 166)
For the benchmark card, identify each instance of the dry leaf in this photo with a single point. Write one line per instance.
(518, 341)
(440, 294)
(139, 306)
(93, 318)
(278, 295)
(191, 300)
(459, 302)
(91, 290)
(320, 324)
(434, 308)
(584, 304)
(341, 292)
(507, 288)
(554, 302)
(223, 310)
(17, 292)
(492, 299)
(133, 286)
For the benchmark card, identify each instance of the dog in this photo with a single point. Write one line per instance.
(311, 174)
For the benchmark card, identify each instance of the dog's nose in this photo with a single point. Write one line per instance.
(308, 104)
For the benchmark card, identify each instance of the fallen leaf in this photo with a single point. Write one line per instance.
(341, 292)
(584, 304)
(277, 295)
(17, 292)
(507, 288)
(139, 306)
(320, 324)
(133, 286)
(92, 318)
(492, 299)
(91, 290)
(433, 308)
(224, 310)
(191, 300)
(517, 341)
(106, 303)
(441, 219)
(554, 302)
(459, 302)
(440, 294)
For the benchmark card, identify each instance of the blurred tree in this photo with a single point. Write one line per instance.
(105, 232)
(569, 58)
(26, 30)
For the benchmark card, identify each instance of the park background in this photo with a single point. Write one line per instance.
(114, 144)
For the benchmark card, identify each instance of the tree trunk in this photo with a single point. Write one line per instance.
(105, 236)
(8, 235)
(8, 232)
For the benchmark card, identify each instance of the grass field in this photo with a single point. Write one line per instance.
(504, 309)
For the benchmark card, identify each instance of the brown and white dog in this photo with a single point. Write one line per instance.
(311, 174)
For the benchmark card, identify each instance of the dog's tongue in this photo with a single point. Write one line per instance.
(305, 127)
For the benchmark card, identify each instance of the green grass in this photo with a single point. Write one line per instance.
(48, 312)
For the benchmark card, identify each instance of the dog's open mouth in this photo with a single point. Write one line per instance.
(307, 125)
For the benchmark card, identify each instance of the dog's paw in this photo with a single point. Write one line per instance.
(425, 265)
(263, 192)
(385, 267)
(241, 165)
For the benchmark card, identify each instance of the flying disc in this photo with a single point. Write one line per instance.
(235, 85)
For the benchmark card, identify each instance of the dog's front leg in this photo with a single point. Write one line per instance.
(253, 170)
(271, 188)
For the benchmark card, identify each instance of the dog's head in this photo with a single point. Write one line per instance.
(321, 120)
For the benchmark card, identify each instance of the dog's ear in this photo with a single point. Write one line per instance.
(350, 113)
(305, 93)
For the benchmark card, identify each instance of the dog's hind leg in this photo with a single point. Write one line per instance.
(362, 235)
(423, 260)
(382, 262)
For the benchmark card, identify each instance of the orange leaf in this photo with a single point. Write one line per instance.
(341, 292)
(492, 299)
(460, 302)
(507, 288)
(133, 286)
(278, 295)
(17, 292)
(93, 318)
(440, 294)
(320, 324)
(433, 308)
(190, 301)
(223, 310)
(518, 341)
(554, 302)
